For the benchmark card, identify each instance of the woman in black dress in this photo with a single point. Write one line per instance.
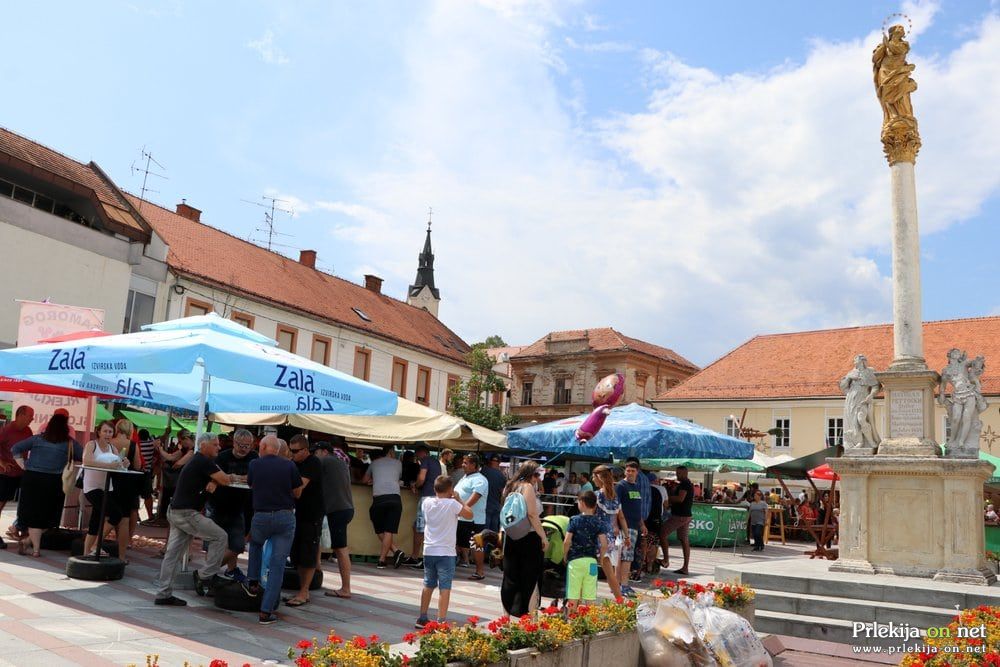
(41, 503)
(523, 547)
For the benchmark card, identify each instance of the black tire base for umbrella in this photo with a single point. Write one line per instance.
(89, 568)
(234, 597)
(107, 547)
(290, 580)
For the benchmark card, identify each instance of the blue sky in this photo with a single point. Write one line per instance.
(692, 174)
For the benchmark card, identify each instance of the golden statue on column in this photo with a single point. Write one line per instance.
(893, 85)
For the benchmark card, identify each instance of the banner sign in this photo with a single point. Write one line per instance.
(41, 321)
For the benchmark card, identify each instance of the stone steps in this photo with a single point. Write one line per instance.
(865, 611)
(801, 598)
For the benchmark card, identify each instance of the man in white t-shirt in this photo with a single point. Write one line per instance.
(441, 514)
(473, 489)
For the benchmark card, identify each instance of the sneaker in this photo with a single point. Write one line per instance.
(628, 592)
(171, 601)
(397, 559)
(464, 564)
(252, 588)
(236, 574)
(380, 565)
(267, 618)
(416, 563)
(421, 623)
(636, 576)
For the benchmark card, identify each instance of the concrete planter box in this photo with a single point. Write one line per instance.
(607, 648)
(570, 655)
(748, 612)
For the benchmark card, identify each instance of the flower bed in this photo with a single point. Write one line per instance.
(500, 641)
(734, 597)
(954, 650)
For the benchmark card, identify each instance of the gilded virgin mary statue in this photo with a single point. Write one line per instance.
(893, 85)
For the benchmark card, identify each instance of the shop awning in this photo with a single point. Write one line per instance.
(703, 465)
(799, 468)
(411, 422)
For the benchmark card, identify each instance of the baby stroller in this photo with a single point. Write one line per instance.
(553, 584)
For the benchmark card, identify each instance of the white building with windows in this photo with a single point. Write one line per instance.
(353, 328)
(789, 383)
(71, 236)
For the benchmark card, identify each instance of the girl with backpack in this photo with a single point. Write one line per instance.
(609, 508)
(524, 542)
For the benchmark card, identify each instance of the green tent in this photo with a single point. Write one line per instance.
(192, 425)
(704, 465)
(155, 424)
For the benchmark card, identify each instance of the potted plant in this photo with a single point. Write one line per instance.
(734, 597)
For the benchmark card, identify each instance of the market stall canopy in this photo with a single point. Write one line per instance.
(799, 468)
(703, 465)
(631, 430)
(187, 362)
(157, 424)
(411, 422)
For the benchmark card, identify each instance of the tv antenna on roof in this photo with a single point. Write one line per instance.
(146, 172)
(269, 210)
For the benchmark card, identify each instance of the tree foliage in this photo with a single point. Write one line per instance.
(492, 341)
(470, 399)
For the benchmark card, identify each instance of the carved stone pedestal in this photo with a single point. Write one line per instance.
(909, 403)
(913, 517)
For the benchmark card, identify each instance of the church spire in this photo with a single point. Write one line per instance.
(425, 266)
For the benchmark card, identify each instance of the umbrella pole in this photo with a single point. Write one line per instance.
(201, 402)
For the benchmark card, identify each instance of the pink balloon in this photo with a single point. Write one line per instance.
(609, 390)
(592, 424)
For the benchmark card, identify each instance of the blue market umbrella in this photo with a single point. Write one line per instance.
(195, 362)
(631, 430)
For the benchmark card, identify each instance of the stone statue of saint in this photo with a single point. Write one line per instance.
(860, 386)
(893, 86)
(964, 404)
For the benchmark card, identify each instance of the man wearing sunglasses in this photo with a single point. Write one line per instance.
(309, 517)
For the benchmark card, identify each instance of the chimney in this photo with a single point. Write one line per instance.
(373, 283)
(189, 212)
(308, 258)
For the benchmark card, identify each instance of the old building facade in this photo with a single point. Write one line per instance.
(789, 383)
(554, 377)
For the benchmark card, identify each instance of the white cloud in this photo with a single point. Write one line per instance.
(268, 51)
(599, 47)
(729, 206)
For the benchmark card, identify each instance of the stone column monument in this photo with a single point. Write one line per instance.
(904, 509)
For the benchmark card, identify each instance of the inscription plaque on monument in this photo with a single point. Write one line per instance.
(906, 414)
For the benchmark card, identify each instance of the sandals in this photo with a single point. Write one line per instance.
(477, 577)
(295, 602)
(336, 594)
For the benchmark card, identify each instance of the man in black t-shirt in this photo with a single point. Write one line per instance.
(309, 514)
(680, 515)
(231, 508)
(198, 477)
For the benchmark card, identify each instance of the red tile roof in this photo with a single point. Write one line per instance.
(22, 152)
(604, 339)
(207, 254)
(810, 364)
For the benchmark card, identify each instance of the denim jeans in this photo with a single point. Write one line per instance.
(279, 527)
(757, 530)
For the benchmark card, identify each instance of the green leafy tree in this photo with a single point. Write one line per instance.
(492, 341)
(469, 399)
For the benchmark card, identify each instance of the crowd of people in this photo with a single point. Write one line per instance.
(237, 494)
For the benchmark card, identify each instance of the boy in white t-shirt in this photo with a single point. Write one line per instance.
(441, 514)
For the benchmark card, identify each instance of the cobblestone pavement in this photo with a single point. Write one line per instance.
(48, 619)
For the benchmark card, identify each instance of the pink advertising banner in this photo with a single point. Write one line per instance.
(40, 321)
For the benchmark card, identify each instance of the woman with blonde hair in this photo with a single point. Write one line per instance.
(524, 546)
(609, 508)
